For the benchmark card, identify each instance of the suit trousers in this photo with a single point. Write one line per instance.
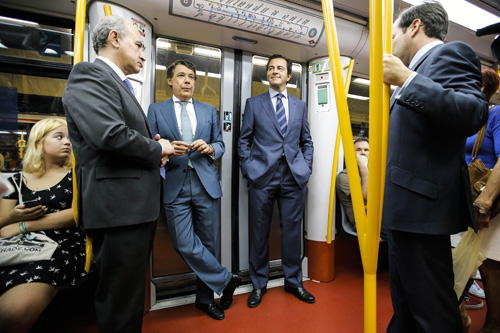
(422, 282)
(291, 200)
(193, 222)
(122, 256)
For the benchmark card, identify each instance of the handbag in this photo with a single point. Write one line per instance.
(479, 173)
(24, 248)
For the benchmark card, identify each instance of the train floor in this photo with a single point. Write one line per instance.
(338, 308)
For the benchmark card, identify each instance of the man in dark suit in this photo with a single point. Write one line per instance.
(276, 153)
(117, 171)
(192, 187)
(427, 194)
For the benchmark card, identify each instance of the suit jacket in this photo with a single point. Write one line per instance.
(261, 144)
(162, 119)
(117, 161)
(427, 182)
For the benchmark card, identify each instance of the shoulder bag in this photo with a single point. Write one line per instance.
(479, 173)
(25, 248)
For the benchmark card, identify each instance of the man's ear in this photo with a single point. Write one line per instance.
(114, 39)
(415, 27)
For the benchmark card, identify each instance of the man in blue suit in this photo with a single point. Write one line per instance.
(191, 187)
(276, 153)
(427, 193)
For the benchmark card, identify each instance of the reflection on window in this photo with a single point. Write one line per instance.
(30, 40)
(208, 70)
(259, 78)
(358, 104)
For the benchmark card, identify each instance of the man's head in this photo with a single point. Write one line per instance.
(120, 42)
(181, 76)
(362, 146)
(417, 26)
(491, 80)
(279, 72)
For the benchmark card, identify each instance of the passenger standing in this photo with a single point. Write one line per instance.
(276, 154)
(117, 171)
(192, 185)
(427, 192)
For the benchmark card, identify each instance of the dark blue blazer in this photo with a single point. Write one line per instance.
(427, 187)
(261, 144)
(163, 121)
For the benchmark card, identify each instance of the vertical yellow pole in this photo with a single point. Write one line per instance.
(336, 162)
(81, 6)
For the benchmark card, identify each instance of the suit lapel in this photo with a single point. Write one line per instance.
(122, 84)
(292, 110)
(267, 106)
(168, 113)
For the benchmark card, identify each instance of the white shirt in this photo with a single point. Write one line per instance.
(273, 93)
(190, 111)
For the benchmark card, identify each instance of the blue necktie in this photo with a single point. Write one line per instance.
(129, 86)
(187, 130)
(280, 113)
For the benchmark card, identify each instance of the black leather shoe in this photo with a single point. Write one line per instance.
(256, 297)
(213, 310)
(301, 294)
(227, 295)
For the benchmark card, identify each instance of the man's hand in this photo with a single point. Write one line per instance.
(180, 147)
(202, 147)
(395, 72)
(168, 150)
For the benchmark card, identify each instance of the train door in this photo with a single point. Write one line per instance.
(223, 80)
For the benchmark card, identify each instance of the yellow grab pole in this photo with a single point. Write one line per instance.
(336, 162)
(107, 10)
(344, 119)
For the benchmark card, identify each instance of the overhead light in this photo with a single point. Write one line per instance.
(259, 61)
(70, 53)
(215, 75)
(3, 46)
(361, 98)
(207, 52)
(22, 23)
(161, 68)
(465, 13)
(163, 45)
(289, 85)
(362, 81)
(265, 82)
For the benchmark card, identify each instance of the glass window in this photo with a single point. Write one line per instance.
(358, 103)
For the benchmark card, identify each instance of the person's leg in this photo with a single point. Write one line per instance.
(490, 275)
(21, 306)
(122, 257)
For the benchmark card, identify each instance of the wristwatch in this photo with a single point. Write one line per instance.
(479, 209)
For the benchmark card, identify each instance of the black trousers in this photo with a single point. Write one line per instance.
(122, 256)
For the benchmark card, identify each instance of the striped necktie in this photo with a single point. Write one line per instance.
(280, 113)
(129, 86)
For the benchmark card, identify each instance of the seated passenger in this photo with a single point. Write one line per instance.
(362, 149)
(27, 289)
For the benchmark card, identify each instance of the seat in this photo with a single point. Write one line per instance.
(346, 225)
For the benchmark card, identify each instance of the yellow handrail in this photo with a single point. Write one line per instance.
(336, 162)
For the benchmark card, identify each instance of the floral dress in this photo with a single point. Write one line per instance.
(66, 267)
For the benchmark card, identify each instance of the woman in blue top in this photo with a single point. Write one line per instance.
(490, 246)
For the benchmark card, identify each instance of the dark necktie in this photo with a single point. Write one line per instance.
(129, 86)
(280, 113)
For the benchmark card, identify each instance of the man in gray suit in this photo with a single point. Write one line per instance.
(276, 153)
(117, 171)
(192, 187)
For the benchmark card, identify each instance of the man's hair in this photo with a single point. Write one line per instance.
(491, 81)
(104, 27)
(433, 16)
(279, 56)
(361, 139)
(33, 160)
(183, 62)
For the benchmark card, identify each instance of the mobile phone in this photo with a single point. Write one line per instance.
(32, 203)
